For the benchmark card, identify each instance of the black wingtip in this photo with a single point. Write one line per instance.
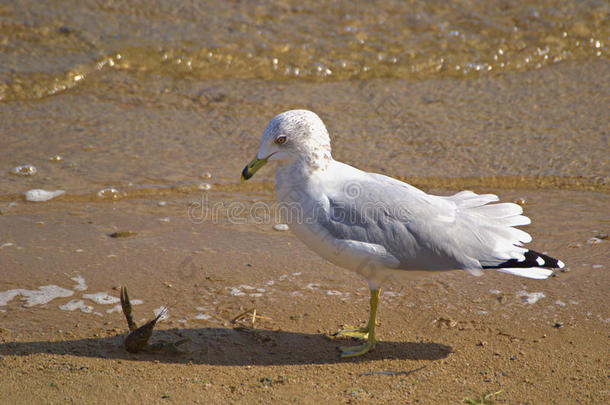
(532, 259)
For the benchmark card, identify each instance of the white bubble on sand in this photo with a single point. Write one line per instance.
(39, 195)
(110, 193)
(529, 298)
(77, 304)
(7, 296)
(280, 227)
(333, 292)
(43, 295)
(80, 283)
(24, 170)
(7, 244)
(160, 310)
(101, 298)
(118, 308)
(203, 317)
(236, 292)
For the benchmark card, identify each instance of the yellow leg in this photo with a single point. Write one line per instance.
(367, 333)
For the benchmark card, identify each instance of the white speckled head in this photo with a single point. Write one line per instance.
(295, 135)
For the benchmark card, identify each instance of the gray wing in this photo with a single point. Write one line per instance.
(422, 231)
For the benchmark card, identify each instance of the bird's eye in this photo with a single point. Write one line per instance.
(280, 139)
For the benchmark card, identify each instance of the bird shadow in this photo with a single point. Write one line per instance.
(232, 347)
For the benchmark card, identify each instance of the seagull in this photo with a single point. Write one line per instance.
(383, 228)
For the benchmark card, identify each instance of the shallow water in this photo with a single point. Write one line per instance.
(51, 47)
(128, 100)
(163, 106)
(125, 139)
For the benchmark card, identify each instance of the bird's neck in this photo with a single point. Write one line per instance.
(291, 174)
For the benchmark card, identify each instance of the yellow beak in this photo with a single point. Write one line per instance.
(252, 168)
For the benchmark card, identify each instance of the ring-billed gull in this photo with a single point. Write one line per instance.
(383, 228)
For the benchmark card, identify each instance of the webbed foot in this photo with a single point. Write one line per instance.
(354, 332)
(353, 351)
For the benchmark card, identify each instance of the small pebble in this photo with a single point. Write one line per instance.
(25, 170)
(280, 227)
(56, 158)
(122, 234)
(558, 325)
(162, 203)
(204, 186)
(206, 175)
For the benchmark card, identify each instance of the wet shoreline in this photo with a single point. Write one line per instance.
(136, 142)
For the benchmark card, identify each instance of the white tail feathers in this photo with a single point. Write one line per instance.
(468, 199)
(536, 273)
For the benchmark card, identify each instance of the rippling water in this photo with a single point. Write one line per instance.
(49, 47)
(134, 99)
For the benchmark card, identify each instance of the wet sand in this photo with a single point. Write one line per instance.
(540, 137)
(472, 336)
(145, 116)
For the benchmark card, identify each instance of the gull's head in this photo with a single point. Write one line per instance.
(290, 136)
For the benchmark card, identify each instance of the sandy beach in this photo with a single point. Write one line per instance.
(441, 339)
(148, 149)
